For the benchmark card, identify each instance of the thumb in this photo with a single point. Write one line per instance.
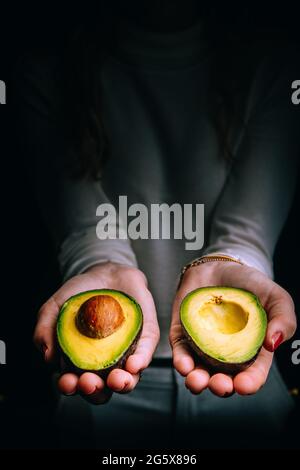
(282, 319)
(45, 331)
(148, 341)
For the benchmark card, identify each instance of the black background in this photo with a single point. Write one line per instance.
(28, 261)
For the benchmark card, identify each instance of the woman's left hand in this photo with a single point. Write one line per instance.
(281, 326)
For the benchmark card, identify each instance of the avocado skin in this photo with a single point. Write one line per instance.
(103, 373)
(213, 364)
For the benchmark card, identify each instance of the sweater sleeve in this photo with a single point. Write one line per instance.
(255, 201)
(80, 247)
(68, 205)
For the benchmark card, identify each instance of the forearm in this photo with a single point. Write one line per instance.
(248, 255)
(259, 190)
(82, 249)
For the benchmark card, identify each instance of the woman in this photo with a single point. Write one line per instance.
(184, 114)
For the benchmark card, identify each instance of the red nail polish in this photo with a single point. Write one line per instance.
(277, 340)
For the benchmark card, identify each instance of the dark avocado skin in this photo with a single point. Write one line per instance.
(213, 364)
(68, 365)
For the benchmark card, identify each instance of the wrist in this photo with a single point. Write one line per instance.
(111, 273)
(212, 262)
(210, 273)
(247, 255)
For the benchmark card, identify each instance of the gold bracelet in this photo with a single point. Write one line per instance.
(206, 259)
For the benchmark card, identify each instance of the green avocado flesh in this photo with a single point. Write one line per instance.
(224, 325)
(96, 354)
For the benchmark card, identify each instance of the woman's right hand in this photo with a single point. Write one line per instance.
(103, 276)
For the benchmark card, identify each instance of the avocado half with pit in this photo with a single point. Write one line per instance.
(97, 330)
(225, 326)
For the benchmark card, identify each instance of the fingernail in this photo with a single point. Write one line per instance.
(276, 340)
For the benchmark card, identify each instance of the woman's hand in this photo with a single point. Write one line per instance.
(108, 276)
(281, 326)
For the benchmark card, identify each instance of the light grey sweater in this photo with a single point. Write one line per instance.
(164, 149)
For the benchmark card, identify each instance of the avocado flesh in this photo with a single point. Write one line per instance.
(226, 326)
(92, 354)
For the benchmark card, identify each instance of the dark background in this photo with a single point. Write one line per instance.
(28, 261)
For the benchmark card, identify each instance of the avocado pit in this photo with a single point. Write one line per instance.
(99, 316)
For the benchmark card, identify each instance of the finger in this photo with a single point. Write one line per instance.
(282, 319)
(67, 384)
(45, 331)
(253, 378)
(197, 380)
(221, 385)
(149, 337)
(182, 358)
(93, 388)
(121, 381)
(90, 383)
(142, 355)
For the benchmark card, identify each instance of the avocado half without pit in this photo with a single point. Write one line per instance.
(97, 330)
(225, 326)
